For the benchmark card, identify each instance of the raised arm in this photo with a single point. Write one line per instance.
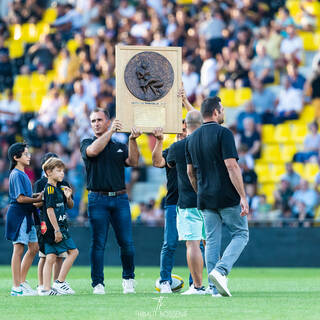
(133, 153)
(99, 144)
(158, 160)
(236, 179)
(185, 101)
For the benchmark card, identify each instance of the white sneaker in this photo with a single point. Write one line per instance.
(51, 292)
(193, 290)
(221, 282)
(165, 287)
(128, 286)
(27, 290)
(39, 289)
(63, 287)
(16, 292)
(216, 295)
(209, 290)
(99, 289)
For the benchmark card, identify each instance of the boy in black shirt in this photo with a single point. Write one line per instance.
(38, 187)
(55, 228)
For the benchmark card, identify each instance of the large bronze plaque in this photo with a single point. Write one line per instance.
(149, 76)
(147, 84)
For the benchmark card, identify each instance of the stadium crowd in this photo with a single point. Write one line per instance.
(230, 44)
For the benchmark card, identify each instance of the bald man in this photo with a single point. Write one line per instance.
(190, 222)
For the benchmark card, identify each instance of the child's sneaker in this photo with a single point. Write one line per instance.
(39, 289)
(27, 290)
(63, 287)
(16, 292)
(51, 292)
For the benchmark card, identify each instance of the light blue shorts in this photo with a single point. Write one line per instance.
(25, 237)
(190, 224)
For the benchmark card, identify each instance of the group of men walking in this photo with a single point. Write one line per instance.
(205, 190)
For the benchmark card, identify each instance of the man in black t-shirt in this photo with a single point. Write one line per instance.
(105, 161)
(216, 177)
(190, 222)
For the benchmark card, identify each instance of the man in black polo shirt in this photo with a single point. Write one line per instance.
(216, 177)
(105, 161)
(190, 223)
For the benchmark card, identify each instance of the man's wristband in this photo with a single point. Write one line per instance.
(56, 231)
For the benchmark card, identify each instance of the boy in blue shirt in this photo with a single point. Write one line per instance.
(19, 224)
(55, 229)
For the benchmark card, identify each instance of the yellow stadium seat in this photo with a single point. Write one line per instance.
(242, 95)
(308, 114)
(50, 15)
(15, 32)
(26, 103)
(227, 97)
(298, 167)
(263, 172)
(135, 211)
(310, 172)
(22, 84)
(16, 49)
(168, 140)
(287, 152)
(271, 153)
(299, 132)
(29, 33)
(42, 28)
(39, 82)
(184, 113)
(282, 133)
(276, 171)
(268, 190)
(267, 132)
(309, 40)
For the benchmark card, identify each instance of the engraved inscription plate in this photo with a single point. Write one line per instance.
(146, 116)
(149, 76)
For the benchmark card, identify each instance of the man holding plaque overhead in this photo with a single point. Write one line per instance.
(105, 161)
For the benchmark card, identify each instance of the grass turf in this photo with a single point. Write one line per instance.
(258, 294)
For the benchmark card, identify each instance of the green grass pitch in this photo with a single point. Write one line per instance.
(257, 294)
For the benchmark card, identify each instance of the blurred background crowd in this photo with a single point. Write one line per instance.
(57, 61)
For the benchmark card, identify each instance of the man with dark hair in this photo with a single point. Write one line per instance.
(216, 177)
(105, 161)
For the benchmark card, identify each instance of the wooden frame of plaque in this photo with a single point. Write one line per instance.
(146, 91)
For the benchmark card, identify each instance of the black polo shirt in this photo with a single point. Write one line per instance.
(177, 158)
(172, 183)
(206, 150)
(105, 172)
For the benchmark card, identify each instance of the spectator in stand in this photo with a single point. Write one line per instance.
(91, 83)
(282, 196)
(262, 66)
(249, 112)
(250, 137)
(263, 100)
(125, 9)
(313, 89)
(307, 19)
(10, 112)
(297, 80)
(159, 39)
(211, 29)
(42, 53)
(284, 19)
(304, 201)
(248, 175)
(50, 106)
(291, 47)
(6, 71)
(209, 84)
(289, 102)
(291, 176)
(151, 216)
(190, 80)
(140, 30)
(311, 148)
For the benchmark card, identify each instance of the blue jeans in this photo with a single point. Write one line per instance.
(170, 243)
(238, 227)
(102, 210)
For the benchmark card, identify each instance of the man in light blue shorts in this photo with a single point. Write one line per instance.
(190, 222)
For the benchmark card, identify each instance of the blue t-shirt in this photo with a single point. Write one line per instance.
(19, 183)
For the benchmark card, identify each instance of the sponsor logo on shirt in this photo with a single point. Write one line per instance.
(120, 150)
